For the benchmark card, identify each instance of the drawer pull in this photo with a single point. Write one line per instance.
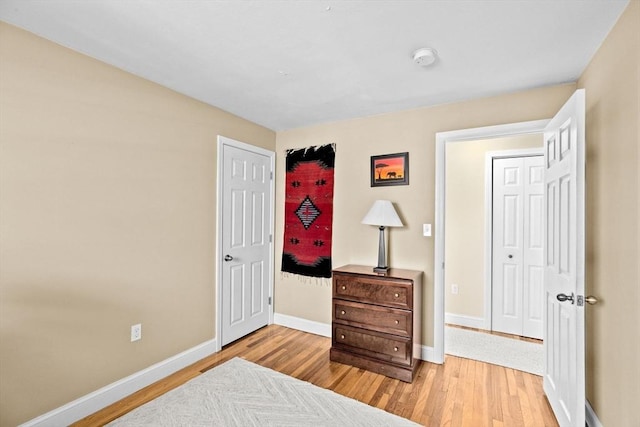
(343, 312)
(344, 287)
(395, 348)
(341, 337)
(397, 322)
(396, 295)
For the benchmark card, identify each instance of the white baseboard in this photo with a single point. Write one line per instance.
(93, 402)
(462, 320)
(303, 325)
(591, 417)
(428, 355)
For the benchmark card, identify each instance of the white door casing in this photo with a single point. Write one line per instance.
(436, 355)
(245, 229)
(564, 255)
(517, 286)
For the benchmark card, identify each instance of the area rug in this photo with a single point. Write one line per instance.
(241, 393)
(512, 353)
(308, 213)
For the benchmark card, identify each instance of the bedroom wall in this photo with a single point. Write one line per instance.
(612, 89)
(356, 140)
(465, 218)
(107, 219)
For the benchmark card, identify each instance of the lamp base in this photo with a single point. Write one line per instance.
(380, 270)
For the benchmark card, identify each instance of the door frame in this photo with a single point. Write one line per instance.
(443, 138)
(223, 141)
(488, 220)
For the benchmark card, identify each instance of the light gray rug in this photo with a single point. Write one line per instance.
(516, 354)
(241, 393)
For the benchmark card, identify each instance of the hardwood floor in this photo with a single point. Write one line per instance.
(461, 392)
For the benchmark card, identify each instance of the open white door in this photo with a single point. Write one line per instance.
(246, 250)
(564, 255)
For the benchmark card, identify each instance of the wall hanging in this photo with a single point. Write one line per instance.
(308, 211)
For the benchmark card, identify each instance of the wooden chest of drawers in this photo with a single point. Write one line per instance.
(376, 322)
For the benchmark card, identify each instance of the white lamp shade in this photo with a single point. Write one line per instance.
(382, 213)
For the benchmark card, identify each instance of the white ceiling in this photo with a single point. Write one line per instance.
(286, 64)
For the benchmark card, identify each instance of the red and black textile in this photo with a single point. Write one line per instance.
(308, 211)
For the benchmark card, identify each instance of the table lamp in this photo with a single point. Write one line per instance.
(382, 214)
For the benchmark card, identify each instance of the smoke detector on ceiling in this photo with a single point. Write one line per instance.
(425, 56)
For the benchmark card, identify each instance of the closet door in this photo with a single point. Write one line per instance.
(517, 246)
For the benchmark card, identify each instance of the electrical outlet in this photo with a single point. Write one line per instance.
(136, 332)
(454, 289)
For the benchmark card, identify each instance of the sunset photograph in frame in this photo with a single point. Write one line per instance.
(390, 169)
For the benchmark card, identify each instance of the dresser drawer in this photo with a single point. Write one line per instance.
(384, 291)
(374, 317)
(372, 344)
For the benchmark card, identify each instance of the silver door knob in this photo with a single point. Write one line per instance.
(563, 297)
(228, 258)
(591, 300)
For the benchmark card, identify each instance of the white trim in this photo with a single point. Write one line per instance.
(443, 138)
(488, 216)
(462, 320)
(304, 325)
(592, 418)
(427, 354)
(107, 395)
(222, 141)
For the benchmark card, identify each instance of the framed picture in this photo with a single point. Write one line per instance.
(390, 169)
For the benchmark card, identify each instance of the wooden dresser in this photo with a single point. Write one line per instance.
(376, 321)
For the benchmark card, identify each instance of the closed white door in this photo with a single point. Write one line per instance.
(564, 255)
(517, 268)
(246, 233)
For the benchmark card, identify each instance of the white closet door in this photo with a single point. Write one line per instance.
(517, 292)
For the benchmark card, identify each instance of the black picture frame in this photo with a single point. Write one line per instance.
(390, 169)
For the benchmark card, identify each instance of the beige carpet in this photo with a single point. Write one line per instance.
(521, 355)
(241, 393)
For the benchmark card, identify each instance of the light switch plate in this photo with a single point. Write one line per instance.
(426, 230)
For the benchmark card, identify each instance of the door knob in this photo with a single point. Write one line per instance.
(563, 297)
(228, 258)
(510, 256)
(591, 300)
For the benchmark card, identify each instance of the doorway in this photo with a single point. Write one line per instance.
(245, 239)
(564, 251)
(469, 251)
(443, 141)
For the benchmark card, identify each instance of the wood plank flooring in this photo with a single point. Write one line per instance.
(461, 392)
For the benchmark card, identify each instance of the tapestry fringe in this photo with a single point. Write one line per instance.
(307, 280)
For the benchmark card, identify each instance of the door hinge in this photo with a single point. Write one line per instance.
(270, 238)
(271, 175)
(269, 300)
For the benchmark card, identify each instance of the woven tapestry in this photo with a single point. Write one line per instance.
(308, 211)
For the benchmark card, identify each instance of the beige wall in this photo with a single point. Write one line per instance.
(465, 219)
(356, 140)
(613, 239)
(107, 218)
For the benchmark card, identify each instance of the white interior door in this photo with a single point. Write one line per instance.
(508, 228)
(517, 279)
(533, 257)
(564, 254)
(246, 249)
